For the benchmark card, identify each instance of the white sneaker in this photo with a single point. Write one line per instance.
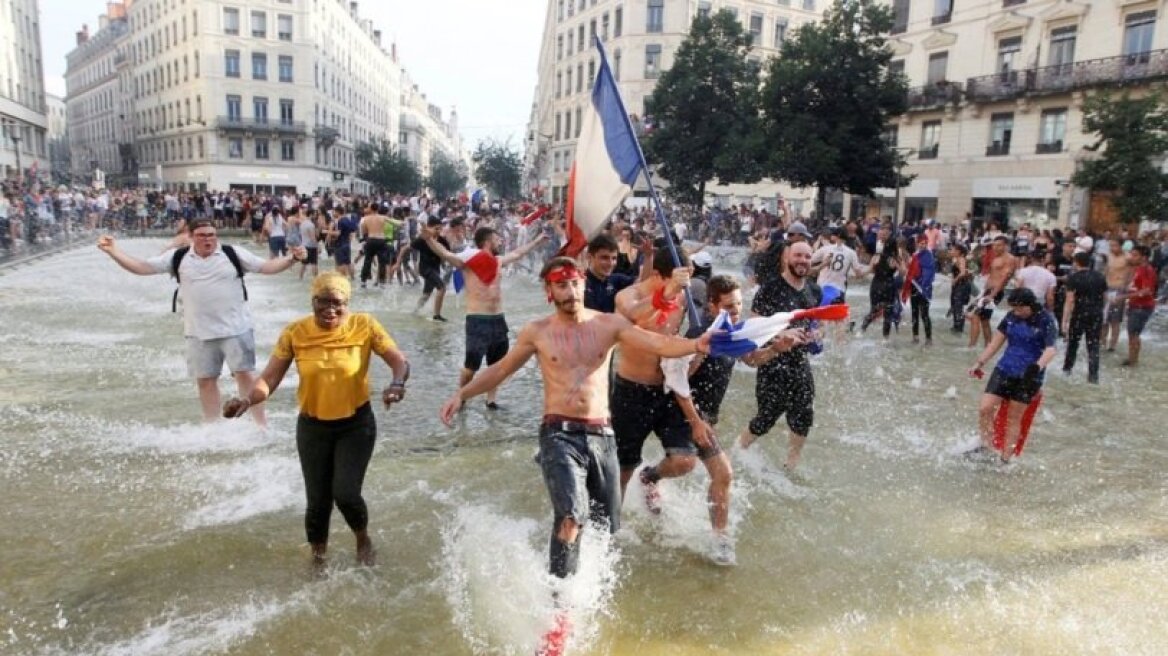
(723, 551)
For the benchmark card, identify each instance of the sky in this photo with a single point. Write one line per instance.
(479, 57)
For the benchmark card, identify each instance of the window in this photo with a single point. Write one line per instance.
(1001, 131)
(284, 27)
(1062, 49)
(568, 86)
(559, 47)
(780, 32)
(556, 162)
(568, 124)
(230, 20)
(580, 39)
(234, 109)
(592, 30)
(930, 139)
(704, 9)
(942, 11)
(899, 16)
(809, 5)
(591, 73)
(579, 123)
(403, 138)
(559, 84)
(260, 108)
(570, 42)
(616, 64)
(1137, 36)
(231, 63)
(285, 68)
(1008, 52)
(755, 29)
(560, 11)
(288, 150)
(618, 21)
(559, 126)
(1051, 130)
(259, 24)
(235, 147)
(655, 16)
(604, 27)
(579, 78)
(896, 67)
(261, 148)
(652, 61)
(938, 67)
(259, 66)
(286, 113)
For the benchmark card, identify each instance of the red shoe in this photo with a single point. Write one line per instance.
(555, 641)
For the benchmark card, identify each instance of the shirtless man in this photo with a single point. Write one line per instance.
(641, 405)
(577, 452)
(372, 228)
(1118, 273)
(486, 327)
(1001, 269)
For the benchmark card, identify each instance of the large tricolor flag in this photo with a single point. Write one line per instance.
(607, 163)
(738, 340)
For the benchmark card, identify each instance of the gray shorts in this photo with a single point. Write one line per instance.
(205, 357)
(582, 475)
(1137, 320)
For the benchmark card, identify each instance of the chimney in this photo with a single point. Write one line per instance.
(115, 10)
(393, 51)
(83, 35)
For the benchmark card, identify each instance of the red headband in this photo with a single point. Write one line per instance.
(563, 274)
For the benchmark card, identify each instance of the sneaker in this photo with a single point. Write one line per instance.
(439, 318)
(652, 494)
(723, 551)
(491, 405)
(979, 453)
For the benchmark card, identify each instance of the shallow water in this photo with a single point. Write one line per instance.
(131, 528)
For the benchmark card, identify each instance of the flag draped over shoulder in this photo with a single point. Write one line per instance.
(483, 264)
(607, 163)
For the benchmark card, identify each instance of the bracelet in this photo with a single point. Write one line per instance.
(398, 383)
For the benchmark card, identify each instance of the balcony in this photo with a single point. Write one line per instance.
(1123, 70)
(1048, 148)
(942, 19)
(998, 149)
(326, 135)
(929, 152)
(934, 96)
(233, 124)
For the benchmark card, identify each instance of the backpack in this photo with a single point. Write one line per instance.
(178, 256)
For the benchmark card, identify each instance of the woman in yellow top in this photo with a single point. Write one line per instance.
(336, 429)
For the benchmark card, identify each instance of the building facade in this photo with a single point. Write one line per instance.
(23, 140)
(58, 137)
(994, 127)
(425, 132)
(640, 38)
(262, 96)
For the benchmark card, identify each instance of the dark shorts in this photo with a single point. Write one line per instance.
(486, 337)
(277, 246)
(431, 279)
(784, 390)
(581, 473)
(1137, 320)
(257, 224)
(1012, 388)
(638, 410)
(343, 255)
(988, 311)
(311, 256)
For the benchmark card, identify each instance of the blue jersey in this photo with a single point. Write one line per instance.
(346, 228)
(600, 295)
(1026, 339)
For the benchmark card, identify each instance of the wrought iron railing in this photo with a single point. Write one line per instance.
(1107, 71)
(933, 96)
(1047, 148)
(929, 152)
(261, 125)
(997, 149)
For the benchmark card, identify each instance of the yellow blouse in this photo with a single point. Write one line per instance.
(333, 364)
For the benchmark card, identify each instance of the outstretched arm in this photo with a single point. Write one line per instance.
(519, 253)
(666, 346)
(441, 251)
(127, 262)
(264, 386)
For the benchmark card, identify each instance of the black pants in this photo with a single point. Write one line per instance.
(378, 248)
(333, 459)
(958, 299)
(1091, 328)
(920, 314)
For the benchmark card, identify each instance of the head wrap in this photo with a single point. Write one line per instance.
(332, 282)
(563, 273)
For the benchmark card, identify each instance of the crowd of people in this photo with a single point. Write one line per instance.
(628, 290)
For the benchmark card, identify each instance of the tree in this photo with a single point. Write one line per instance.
(387, 168)
(827, 100)
(498, 167)
(447, 177)
(705, 111)
(1132, 132)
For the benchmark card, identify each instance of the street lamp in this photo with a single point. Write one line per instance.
(902, 155)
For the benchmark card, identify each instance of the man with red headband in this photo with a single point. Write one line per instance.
(577, 450)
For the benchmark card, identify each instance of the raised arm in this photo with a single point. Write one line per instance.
(492, 376)
(130, 263)
(280, 264)
(519, 253)
(442, 252)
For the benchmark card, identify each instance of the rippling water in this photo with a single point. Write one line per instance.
(131, 528)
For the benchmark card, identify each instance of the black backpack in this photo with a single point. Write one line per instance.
(178, 256)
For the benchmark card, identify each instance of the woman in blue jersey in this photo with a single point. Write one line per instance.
(1028, 332)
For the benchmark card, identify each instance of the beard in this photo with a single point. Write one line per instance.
(571, 306)
(797, 270)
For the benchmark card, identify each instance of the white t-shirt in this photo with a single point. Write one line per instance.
(838, 262)
(211, 293)
(1037, 279)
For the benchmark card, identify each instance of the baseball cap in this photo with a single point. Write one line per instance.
(702, 259)
(797, 228)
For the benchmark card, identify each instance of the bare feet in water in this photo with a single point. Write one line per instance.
(366, 554)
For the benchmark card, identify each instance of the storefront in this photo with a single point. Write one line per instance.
(920, 201)
(1011, 202)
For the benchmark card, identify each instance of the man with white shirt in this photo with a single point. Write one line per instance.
(216, 322)
(836, 262)
(1037, 278)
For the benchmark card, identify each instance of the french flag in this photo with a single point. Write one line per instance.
(482, 263)
(748, 336)
(607, 162)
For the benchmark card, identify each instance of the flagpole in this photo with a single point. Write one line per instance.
(660, 212)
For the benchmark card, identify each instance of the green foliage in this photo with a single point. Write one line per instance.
(499, 168)
(387, 168)
(705, 109)
(827, 99)
(447, 177)
(1132, 132)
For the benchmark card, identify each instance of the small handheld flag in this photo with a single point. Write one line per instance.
(752, 334)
